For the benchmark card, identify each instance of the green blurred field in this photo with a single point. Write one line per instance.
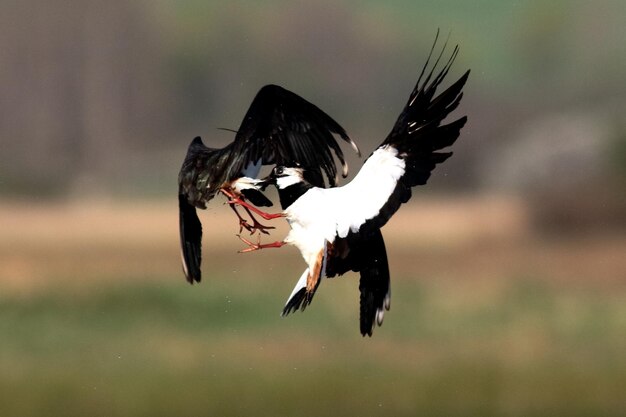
(487, 319)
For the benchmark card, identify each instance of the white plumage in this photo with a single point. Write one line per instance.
(327, 213)
(338, 229)
(321, 215)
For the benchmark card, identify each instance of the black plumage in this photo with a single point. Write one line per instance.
(418, 134)
(355, 212)
(280, 127)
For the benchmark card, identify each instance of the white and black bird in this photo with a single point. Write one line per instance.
(338, 229)
(279, 128)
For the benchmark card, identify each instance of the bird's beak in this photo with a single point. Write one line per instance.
(263, 183)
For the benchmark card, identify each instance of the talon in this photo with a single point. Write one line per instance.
(234, 201)
(261, 228)
(251, 246)
(257, 246)
(246, 250)
(245, 225)
(256, 225)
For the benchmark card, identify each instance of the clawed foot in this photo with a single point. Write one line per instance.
(257, 246)
(254, 227)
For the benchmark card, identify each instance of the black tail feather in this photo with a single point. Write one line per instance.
(299, 301)
(190, 240)
(302, 298)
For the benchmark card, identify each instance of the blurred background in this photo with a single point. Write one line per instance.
(508, 268)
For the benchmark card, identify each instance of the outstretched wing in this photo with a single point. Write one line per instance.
(279, 128)
(282, 128)
(418, 134)
(407, 156)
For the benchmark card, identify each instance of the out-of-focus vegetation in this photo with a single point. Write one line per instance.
(101, 96)
(486, 320)
(162, 349)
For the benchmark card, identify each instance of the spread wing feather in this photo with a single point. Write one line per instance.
(280, 127)
(418, 135)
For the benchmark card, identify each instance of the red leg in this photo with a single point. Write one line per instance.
(233, 199)
(257, 246)
(255, 224)
(243, 224)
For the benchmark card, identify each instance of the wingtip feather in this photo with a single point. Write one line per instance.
(190, 240)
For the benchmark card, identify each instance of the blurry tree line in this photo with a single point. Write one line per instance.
(104, 96)
(80, 85)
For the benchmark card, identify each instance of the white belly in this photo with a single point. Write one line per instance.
(312, 223)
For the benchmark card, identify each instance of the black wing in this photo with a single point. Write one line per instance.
(364, 252)
(194, 190)
(190, 239)
(200, 176)
(279, 128)
(282, 128)
(418, 134)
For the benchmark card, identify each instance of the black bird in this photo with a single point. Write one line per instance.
(279, 128)
(338, 229)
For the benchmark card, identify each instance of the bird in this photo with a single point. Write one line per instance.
(338, 229)
(280, 127)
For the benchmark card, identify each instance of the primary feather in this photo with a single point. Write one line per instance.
(348, 219)
(280, 127)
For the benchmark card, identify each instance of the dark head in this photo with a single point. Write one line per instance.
(284, 177)
(291, 183)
